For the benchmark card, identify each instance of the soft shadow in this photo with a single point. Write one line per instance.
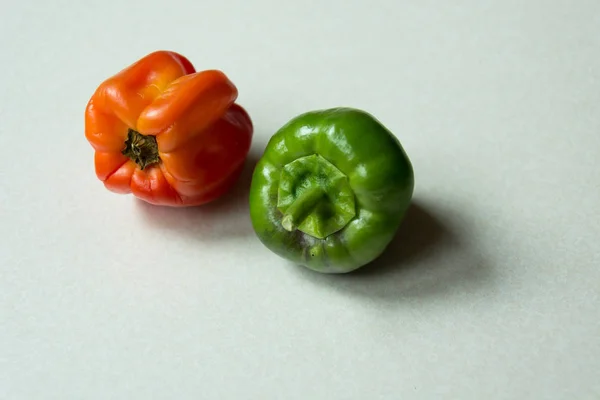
(418, 236)
(225, 217)
(426, 258)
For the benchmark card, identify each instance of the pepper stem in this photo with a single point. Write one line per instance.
(142, 149)
(302, 207)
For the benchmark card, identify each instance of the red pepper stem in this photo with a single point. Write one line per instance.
(301, 208)
(142, 149)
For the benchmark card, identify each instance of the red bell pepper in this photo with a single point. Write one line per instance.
(167, 134)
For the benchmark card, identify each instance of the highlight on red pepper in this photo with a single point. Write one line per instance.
(331, 190)
(168, 134)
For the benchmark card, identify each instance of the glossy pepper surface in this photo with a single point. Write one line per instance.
(167, 134)
(331, 190)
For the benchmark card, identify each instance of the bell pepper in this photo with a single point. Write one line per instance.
(330, 190)
(167, 134)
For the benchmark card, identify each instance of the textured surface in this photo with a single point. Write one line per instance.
(489, 292)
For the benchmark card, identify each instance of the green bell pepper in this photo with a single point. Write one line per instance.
(331, 190)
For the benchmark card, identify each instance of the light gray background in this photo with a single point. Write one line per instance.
(489, 292)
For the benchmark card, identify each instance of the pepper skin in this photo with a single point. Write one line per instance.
(167, 134)
(331, 190)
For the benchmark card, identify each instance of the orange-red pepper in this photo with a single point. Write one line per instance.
(166, 133)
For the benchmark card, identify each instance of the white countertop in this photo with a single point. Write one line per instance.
(491, 290)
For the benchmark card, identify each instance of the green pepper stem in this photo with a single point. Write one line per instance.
(301, 208)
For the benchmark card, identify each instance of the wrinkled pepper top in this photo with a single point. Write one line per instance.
(330, 190)
(166, 133)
